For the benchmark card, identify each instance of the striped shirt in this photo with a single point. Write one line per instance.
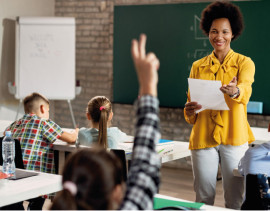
(36, 136)
(144, 176)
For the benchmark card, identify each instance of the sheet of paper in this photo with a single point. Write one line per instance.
(207, 93)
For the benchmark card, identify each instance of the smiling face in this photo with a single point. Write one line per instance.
(220, 35)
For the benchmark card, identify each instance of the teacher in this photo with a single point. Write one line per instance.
(221, 137)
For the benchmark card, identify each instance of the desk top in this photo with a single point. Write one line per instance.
(261, 135)
(12, 191)
(169, 151)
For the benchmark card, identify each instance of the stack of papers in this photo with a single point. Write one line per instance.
(164, 147)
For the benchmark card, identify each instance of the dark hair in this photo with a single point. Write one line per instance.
(31, 102)
(222, 9)
(99, 109)
(95, 172)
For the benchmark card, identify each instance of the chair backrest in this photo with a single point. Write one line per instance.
(18, 154)
(257, 196)
(120, 153)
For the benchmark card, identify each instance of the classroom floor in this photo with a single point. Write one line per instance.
(177, 182)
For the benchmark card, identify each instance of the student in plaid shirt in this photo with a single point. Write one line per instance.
(36, 133)
(92, 177)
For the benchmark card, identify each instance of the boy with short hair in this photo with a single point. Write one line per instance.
(36, 133)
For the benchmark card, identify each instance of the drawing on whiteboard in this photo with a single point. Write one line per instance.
(202, 51)
(41, 45)
(198, 35)
(198, 53)
(203, 48)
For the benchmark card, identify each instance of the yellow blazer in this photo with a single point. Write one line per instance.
(212, 128)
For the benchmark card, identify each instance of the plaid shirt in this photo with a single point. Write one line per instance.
(36, 136)
(143, 178)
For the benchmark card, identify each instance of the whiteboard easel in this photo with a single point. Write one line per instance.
(45, 58)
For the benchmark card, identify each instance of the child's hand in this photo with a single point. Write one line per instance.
(71, 136)
(76, 131)
(146, 66)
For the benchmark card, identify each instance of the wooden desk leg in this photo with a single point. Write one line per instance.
(61, 162)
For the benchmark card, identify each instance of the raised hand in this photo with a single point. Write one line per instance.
(146, 66)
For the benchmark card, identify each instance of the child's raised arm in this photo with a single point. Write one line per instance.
(145, 163)
(70, 137)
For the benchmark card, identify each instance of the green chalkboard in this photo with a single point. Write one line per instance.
(174, 35)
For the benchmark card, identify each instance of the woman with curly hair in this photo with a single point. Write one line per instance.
(221, 136)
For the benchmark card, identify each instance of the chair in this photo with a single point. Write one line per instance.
(257, 196)
(120, 153)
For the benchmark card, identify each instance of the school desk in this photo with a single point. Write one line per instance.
(12, 191)
(261, 135)
(168, 151)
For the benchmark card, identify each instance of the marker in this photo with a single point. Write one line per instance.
(160, 151)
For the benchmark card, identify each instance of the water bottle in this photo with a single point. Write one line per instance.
(8, 153)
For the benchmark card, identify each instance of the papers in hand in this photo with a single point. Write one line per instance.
(207, 93)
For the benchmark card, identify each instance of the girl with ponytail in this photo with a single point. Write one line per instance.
(93, 178)
(99, 113)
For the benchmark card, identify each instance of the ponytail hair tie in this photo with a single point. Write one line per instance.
(101, 108)
(71, 187)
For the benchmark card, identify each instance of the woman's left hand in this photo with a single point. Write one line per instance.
(230, 89)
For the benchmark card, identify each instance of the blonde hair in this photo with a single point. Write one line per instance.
(32, 102)
(99, 108)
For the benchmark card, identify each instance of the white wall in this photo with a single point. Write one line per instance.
(9, 10)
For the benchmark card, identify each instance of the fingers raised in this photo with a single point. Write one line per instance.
(142, 43)
(135, 49)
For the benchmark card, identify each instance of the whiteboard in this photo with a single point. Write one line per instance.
(45, 57)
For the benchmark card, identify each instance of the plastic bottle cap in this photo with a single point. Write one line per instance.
(8, 133)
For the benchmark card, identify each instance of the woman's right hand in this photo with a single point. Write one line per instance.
(191, 108)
